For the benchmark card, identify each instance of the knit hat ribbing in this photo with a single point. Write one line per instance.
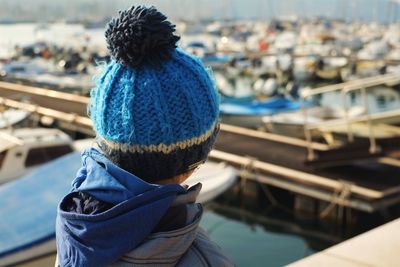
(153, 98)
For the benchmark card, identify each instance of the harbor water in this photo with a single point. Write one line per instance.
(251, 239)
(250, 243)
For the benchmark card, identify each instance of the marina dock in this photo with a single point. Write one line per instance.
(301, 98)
(366, 180)
(378, 247)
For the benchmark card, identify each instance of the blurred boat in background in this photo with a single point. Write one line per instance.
(11, 118)
(251, 114)
(23, 149)
(293, 123)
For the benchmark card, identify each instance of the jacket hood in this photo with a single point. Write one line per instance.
(100, 239)
(167, 248)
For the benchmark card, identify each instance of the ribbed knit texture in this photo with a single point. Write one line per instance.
(150, 105)
(155, 107)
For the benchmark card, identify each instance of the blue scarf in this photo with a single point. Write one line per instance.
(101, 239)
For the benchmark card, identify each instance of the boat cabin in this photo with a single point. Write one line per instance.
(23, 149)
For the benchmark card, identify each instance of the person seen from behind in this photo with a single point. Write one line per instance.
(155, 112)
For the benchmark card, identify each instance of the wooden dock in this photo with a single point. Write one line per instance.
(284, 160)
(51, 99)
(376, 248)
(367, 182)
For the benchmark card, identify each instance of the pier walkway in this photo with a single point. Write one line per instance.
(369, 167)
(378, 247)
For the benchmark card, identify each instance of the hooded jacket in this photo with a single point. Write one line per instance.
(113, 218)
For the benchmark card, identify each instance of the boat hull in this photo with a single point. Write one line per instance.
(248, 121)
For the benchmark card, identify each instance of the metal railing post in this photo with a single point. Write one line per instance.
(307, 131)
(350, 136)
(372, 148)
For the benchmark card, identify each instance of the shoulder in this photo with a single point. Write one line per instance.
(204, 252)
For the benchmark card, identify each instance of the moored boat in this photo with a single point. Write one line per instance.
(292, 123)
(251, 114)
(12, 117)
(23, 149)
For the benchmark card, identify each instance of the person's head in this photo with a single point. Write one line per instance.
(154, 108)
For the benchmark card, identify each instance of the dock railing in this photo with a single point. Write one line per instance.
(361, 85)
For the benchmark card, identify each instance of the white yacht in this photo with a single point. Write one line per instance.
(23, 149)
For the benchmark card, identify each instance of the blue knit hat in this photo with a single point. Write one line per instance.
(155, 107)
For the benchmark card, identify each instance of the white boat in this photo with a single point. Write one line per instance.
(269, 64)
(22, 150)
(12, 117)
(285, 41)
(361, 70)
(329, 68)
(303, 68)
(292, 124)
(233, 87)
(393, 69)
(250, 114)
(267, 87)
(394, 54)
(20, 69)
(374, 50)
(215, 178)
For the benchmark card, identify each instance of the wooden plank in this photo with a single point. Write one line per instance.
(316, 193)
(364, 173)
(272, 137)
(378, 247)
(392, 116)
(356, 151)
(28, 90)
(55, 100)
(59, 115)
(295, 175)
(389, 161)
(370, 81)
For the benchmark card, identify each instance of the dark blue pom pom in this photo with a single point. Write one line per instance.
(140, 35)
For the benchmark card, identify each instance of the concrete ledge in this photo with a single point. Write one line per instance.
(378, 247)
